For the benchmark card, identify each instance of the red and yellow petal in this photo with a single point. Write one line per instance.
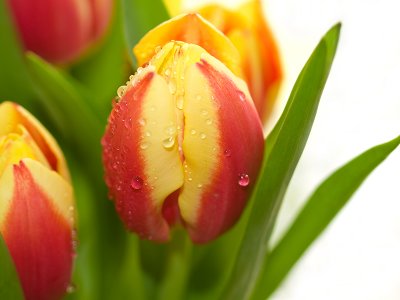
(13, 117)
(36, 221)
(223, 149)
(141, 155)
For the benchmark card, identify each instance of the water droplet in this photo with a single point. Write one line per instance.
(244, 179)
(115, 166)
(190, 179)
(147, 133)
(70, 288)
(242, 97)
(228, 153)
(179, 102)
(204, 112)
(137, 183)
(128, 123)
(155, 177)
(208, 121)
(198, 97)
(172, 87)
(203, 136)
(142, 122)
(168, 143)
(121, 91)
(170, 130)
(153, 108)
(144, 146)
(199, 185)
(157, 49)
(193, 132)
(167, 72)
(139, 70)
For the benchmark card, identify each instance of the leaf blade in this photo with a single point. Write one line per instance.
(140, 16)
(320, 208)
(9, 282)
(282, 152)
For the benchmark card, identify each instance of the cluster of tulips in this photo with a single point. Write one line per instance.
(184, 140)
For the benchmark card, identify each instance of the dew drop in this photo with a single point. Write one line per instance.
(208, 121)
(204, 112)
(203, 136)
(70, 288)
(121, 91)
(172, 87)
(179, 102)
(244, 179)
(168, 143)
(193, 132)
(128, 123)
(137, 183)
(144, 146)
(147, 133)
(199, 185)
(142, 122)
(227, 153)
(190, 179)
(242, 97)
(170, 130)
(167, 72)
(153, 108)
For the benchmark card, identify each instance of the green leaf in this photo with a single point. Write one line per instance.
(283, 150)
(68, 109)
(139, 17)
(9, 281)
(15, 84)
(106, 67)
(324, 204)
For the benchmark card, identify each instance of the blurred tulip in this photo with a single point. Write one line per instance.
(247, 29)
(36, 204)
(60, 30)
(184, 143)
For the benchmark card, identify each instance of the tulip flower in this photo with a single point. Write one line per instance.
(247, 29)
(184, 143)
(60, 30)
(36, 204)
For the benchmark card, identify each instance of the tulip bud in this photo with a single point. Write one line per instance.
(60, 30)
(247, 29)
(36, 204)
(183, 144)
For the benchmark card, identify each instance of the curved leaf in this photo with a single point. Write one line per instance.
(9, 281)
(323, 205)
(283, 150)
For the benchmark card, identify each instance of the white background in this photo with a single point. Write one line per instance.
(358, 256)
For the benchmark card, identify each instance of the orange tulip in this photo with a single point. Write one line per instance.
(246, 27)
(60, 30)
(36, 204)
(184, 143)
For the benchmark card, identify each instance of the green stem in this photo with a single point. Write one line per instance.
(177, 268)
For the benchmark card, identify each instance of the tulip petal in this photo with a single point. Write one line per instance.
(13, 116)
(141, 155)
(220, 152)
(36, 223)
(190, 28)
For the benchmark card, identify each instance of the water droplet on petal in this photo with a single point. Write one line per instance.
(121, 91)
(144, 146)
(242, 97)
(170, 130)
(157, 49)
(137, 183)
(199, 185)
(192, 132)
(172, 87)
(168, 143)
(203, 136)
(70, 288)
(208, 121)
(204, 112)
(167, 72)
(228, 153)
(153, 108)
(147, 133)
(244, 179)
(179, 102)
(142, 122)
(198, 97)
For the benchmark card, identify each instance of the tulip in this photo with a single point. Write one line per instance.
(60, 30)
(184, 143)
(246, 27)
(36, 204)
